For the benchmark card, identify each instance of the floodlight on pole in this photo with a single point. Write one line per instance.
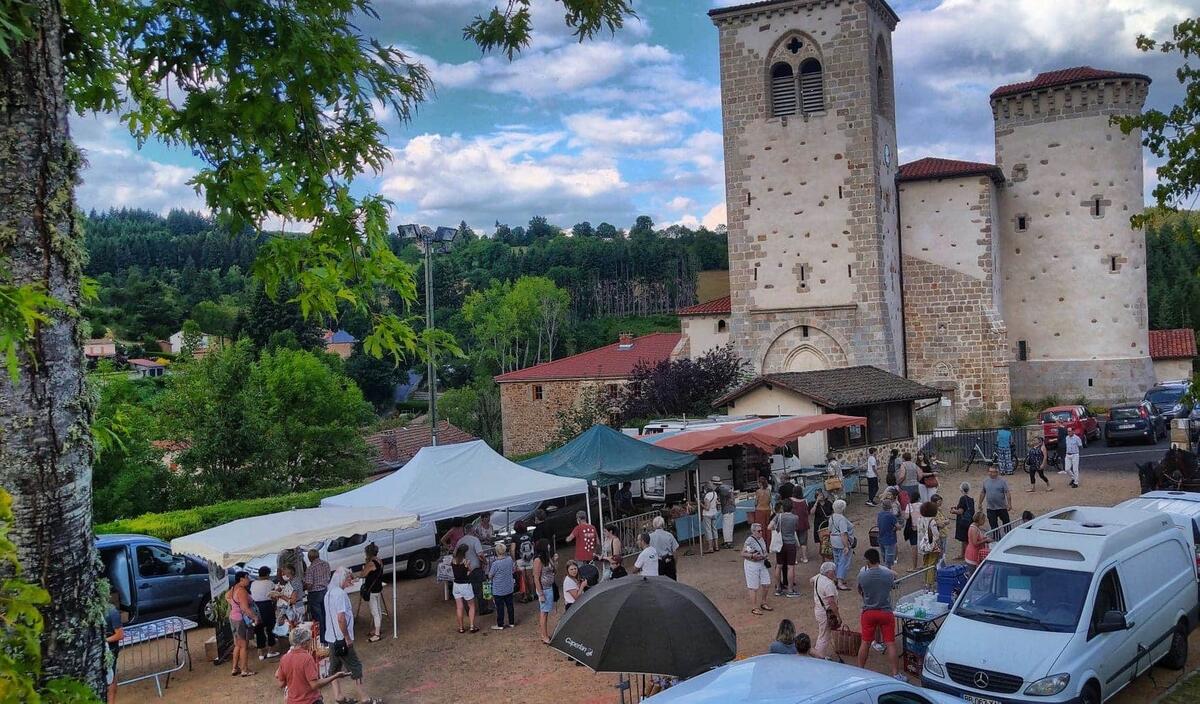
(429, 240)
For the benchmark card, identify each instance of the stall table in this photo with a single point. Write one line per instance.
(910, 615)
(688, 527)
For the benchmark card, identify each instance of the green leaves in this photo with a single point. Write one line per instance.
(15, 22)
(1174, 135)
(509, 30)
(22, 308)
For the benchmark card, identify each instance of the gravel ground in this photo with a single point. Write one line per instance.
(431, 663)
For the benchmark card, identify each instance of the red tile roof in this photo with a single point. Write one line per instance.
(717, 306)
(395, 447)
(1172, 344)
(933, 167)
(1065, 77)
(613, 361)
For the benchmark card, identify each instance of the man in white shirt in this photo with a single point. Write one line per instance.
(1074, 442)
(665, 545)
(710, 511)
(872, 476)
(339, 630)
(647, 560)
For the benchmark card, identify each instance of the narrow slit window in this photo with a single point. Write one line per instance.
(1112, 263)
(1022, 350)
(1096, 208)
(783, 90)
(812, 89)
(849, 272)
(801, 274)
(839, 192)
(1022, 223)
(803, 331)
(748, 197)
(756, 272)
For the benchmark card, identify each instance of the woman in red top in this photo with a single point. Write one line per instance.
(298, 672)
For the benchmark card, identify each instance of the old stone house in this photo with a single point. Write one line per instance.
(1173, 352)
(954, 274)
(531, 399)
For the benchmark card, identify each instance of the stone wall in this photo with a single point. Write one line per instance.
(1172, 369)
(703, 333)
(528, 424)
(955, 338)
(1074, 274)
(810, 197)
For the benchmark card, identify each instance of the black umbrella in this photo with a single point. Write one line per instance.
(646, 625)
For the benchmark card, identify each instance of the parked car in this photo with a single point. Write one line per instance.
(1077, 418)
(1167, 400)
(1095, 597)
(775, 679)
(151, 581)
(1133, 421)
(560, 516)
(1183, 506)
(416, 551)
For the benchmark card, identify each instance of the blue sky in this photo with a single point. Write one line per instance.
(630, 124)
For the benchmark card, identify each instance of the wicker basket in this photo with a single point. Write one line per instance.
(846, 641)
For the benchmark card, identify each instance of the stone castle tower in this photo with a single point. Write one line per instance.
(810, 169)
(1018, 279)
(1074, 271)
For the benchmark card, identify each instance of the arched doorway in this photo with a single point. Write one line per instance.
(805, 359)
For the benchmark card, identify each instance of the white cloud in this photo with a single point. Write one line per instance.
(601, 129)
(680, 203)
(712, 219)
(508, 175)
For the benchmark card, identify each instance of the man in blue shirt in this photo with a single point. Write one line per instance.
(1004, 455)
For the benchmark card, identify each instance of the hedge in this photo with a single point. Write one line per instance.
(173, 524)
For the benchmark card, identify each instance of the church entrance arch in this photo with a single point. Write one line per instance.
(804, 347)
(805, 359)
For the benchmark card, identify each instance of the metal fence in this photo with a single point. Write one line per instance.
(629, 527)
(911, 581)
(976, 448)
(154, 650)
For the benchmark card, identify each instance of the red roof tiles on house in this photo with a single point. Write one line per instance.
(717, 306)
(933, 167)
(1173, 344)
(1065, 77)
(395, 447)
(615, 361)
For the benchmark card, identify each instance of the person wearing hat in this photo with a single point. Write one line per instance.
(298, 672)
(709, 510)
(825, 608)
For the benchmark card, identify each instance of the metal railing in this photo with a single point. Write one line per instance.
(628, 528)
(910, 580)
(977, 448)
(154, 650)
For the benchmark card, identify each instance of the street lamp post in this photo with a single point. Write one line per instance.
(429, 240)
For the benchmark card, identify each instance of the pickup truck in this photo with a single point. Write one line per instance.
(151, 581)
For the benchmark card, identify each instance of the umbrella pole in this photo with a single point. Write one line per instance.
(600, 508)
(699, 516)
(395, 631)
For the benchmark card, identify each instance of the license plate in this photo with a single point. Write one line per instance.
(979, 700)
(1125, 426)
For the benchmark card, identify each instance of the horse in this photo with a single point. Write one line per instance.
(1177, 470)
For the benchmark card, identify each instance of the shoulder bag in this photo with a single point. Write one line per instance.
(833, 621)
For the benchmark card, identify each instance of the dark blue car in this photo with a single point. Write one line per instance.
(1133, 422)
(151, 581)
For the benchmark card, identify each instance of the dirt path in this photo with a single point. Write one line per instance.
(430, 663)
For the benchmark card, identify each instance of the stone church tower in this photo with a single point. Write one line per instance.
(810, 180)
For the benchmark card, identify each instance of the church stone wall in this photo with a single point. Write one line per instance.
(1074, 277)
(953, 330)
(809, 233)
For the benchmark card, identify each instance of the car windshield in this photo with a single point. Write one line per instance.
(502, 518)
(1052, 416)
(1023, 596)
(1124, 414)
(1164, 397)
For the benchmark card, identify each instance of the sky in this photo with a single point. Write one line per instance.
(630, 124)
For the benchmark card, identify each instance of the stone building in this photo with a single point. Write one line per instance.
(1173, 352)
(987, 281)
(532, 399)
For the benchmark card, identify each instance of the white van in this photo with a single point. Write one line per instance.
(1069, 607)
(416, 551)
(1183, 506)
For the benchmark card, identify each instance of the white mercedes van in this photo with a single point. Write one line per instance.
(1069, 607)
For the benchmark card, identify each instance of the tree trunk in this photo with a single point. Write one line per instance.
(45, 443)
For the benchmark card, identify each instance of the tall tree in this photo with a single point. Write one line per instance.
(583, 229)
(278, 98)
(607, 231)
(642, 227)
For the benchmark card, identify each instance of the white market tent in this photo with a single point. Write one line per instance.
(447, 481)
(247, 538)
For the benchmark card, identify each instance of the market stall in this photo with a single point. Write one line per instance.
(247, 538)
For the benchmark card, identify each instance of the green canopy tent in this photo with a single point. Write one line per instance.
(603, 457)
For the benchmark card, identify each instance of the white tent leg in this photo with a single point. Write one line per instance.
(587, 502)
(395, 574)
(699, 512)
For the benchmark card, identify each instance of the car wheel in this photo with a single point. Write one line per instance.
(420, 564)
(1090, 693)
(1176, 657)
(206, 615)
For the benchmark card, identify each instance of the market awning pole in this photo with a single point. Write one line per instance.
(699, 511)
(600, 508)
(395, 631)
(587, 500)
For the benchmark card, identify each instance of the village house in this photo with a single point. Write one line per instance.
(100, 348)
(339, 342)
(176, 344)
(531, 399)
(394, 448)
(146, 368)
(1173, 352)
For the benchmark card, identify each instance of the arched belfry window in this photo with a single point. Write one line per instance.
(812, 90)
(783, 90)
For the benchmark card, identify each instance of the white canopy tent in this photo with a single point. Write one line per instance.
(247, 538)
(448, 481)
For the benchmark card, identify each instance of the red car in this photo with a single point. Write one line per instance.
(1076, 418)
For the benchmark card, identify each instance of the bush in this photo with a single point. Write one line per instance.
(1022, 414)
(173, 524)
